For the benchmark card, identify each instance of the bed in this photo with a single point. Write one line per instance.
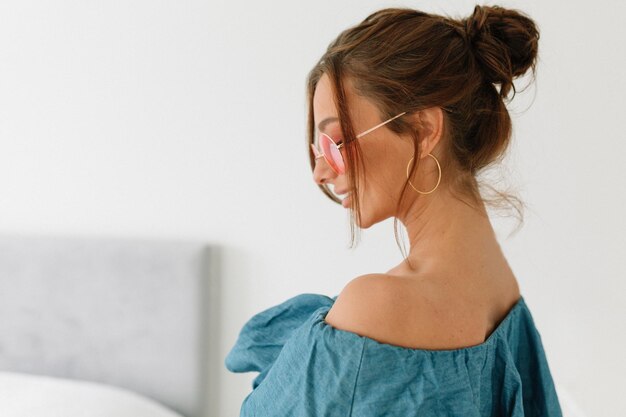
(106, 326)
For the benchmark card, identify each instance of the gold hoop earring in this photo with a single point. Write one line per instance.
(438, 180)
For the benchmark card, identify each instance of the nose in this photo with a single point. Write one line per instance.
(323, 173)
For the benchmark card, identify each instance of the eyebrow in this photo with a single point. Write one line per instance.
(326, 122)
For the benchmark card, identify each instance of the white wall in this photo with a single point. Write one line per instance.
(187, 119)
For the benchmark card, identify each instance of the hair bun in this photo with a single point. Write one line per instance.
(505, 42)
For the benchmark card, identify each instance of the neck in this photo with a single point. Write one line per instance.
(446, 233)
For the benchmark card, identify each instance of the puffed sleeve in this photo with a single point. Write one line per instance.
(313, 375)
(262, 338)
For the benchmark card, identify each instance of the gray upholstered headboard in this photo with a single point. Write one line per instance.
(131, 313)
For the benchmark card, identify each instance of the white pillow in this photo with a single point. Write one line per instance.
(27, 395)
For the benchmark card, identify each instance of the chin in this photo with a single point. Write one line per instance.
(368, 220)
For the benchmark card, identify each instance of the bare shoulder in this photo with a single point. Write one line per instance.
(375, 306)
(413, 314)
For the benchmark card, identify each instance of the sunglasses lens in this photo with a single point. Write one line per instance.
(315, 151)
(332, 153)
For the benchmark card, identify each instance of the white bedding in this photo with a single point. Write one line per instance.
(28, 395)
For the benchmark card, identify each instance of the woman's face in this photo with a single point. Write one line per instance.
(385, 154)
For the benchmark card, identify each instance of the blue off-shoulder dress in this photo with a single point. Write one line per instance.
(307, 368)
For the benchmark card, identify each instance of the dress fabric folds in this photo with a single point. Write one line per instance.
(307, 368)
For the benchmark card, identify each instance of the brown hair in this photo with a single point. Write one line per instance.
(407, 60)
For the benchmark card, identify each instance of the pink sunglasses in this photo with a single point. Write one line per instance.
(330, 149)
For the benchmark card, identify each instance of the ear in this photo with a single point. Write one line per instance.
(431, 122)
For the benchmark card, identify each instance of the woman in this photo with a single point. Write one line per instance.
(405, 109)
